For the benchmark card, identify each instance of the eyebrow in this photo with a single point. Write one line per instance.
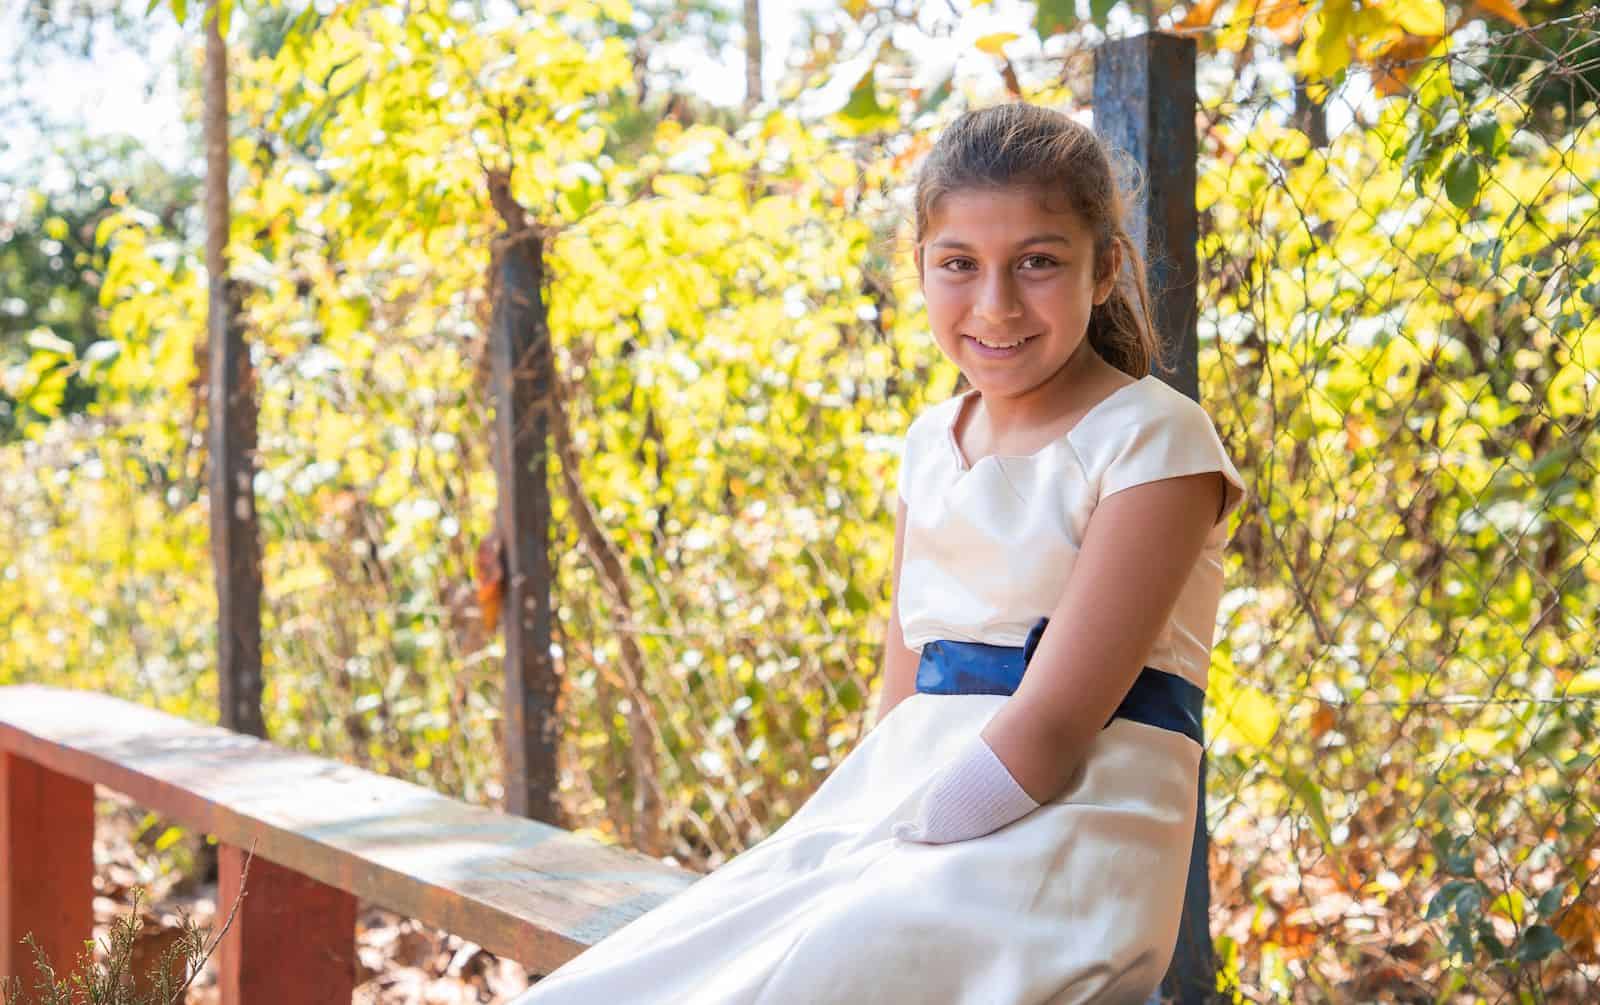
(946, 242)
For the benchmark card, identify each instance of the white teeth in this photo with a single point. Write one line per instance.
(999, 345)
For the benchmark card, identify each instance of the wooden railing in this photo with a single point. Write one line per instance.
(325, 835)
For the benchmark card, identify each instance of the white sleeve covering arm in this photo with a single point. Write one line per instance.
(971, 796)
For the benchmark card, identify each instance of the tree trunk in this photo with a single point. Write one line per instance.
(235, 543)
(752, 54)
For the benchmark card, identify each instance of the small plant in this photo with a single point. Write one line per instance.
(113, 982)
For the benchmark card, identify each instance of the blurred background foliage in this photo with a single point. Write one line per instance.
(1398, 342)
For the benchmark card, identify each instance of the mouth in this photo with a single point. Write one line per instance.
(997, 349)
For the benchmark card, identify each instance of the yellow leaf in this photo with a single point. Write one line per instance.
(1481, 742)
(1504, 9)
(995, 44)
(1511, 904)
(1587, 682)
(1325, 50)
(1422, 17)
(1250, 718)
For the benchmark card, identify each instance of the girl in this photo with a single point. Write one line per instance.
(999, 837)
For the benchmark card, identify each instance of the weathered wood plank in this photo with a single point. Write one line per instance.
(231, 436)
(522, 382)
(46, 866)
(292, 938)
(520, 888)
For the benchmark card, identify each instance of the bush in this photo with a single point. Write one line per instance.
(113, 981)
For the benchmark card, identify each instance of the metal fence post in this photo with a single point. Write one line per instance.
(1144, 105)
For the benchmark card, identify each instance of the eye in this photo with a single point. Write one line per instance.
(1037, 262)
(958, 264)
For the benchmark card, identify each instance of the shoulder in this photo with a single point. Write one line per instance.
(1147, 425)
(920, 448)
(1144, 409)
(932, 424)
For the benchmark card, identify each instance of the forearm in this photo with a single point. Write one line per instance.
(1042, 754)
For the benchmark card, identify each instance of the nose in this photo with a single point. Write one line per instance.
(997, 300)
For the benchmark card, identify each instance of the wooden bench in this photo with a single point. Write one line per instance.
(325, 835)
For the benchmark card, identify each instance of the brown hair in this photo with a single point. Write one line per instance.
(1023, 144)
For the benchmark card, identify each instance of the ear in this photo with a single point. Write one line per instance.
(1113, 268)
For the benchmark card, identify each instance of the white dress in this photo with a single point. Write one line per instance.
(1077, 901)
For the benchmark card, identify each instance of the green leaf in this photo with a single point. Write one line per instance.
(1485, 137)
(1447, 898)
(849, 696)
(1055, 16)
(1461, 181)
(1491, 942)
(1550, 901)
(1100, 10)
(1538, 942)
(856, 600)
(1310, 795)
(1452, 853)
(939, 93)
(864, 113)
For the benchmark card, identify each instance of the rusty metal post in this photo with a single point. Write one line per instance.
(1144, 105)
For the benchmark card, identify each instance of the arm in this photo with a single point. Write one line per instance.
(899, 677)
(1141, 545)
(1122, 590)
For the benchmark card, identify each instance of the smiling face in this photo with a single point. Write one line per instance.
(1009, 281)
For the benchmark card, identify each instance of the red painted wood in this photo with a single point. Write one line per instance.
(46, 866)
(292, 939)
(518, 888)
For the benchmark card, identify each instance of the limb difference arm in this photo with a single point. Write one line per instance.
(1123, 587)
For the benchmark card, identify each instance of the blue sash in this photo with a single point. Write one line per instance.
(1157, 698)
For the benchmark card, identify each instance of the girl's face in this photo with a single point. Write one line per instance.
(1009, 284)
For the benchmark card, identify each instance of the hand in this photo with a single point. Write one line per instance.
(971, 796)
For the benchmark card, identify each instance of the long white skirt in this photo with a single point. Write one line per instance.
(1076, 902)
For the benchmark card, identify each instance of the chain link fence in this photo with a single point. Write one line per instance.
(1399, 274)
(1399, 282)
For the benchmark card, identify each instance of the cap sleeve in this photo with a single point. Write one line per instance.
(1162, 436)
(922, 437)
(905, 456)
